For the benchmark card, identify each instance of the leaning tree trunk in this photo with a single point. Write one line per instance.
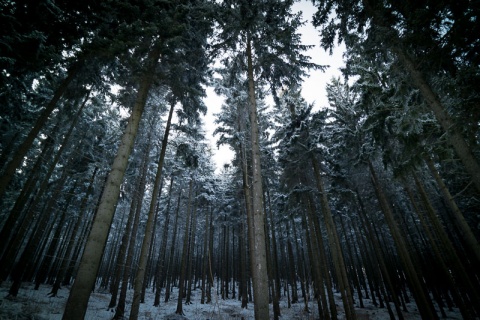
(147, 239)
(312, 233)
(334, 242)
(258, 251)
(77, 302)
(33, 242)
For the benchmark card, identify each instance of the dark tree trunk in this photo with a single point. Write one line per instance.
(183, 266)
(142, 264)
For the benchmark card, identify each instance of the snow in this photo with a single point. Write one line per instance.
(36, 305)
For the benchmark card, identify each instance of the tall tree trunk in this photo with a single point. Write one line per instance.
(334, 241)
(258, 251)
(163, 248)
(147, 239)
(77, 302)
(377, 259)
(22, 203)
(34, 240)
(191, 255)
(135, 210)
(172, 248)
(205, 255)
(313, 233)
(291, 269)
(243, 267)
(274, 259)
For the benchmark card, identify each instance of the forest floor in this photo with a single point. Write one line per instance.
(33, 304)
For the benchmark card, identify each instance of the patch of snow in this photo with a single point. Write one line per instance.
(33, 304)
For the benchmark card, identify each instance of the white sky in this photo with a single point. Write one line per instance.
(313, 88)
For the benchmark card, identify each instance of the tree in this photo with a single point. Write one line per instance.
(266, 31)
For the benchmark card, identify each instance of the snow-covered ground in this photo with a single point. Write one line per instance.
(35, 304)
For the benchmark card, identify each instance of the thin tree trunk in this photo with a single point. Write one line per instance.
(183, 267)
(66, 257)
(135, 210)
(34, 240)
(50, 252)
(312, 233)
(169, 272)
(190, 257)
(292, 273)
(77, 302)
(334, 241)
(258, 251)
(163, 248)
(205, 255)
(142, 264)
(378, 260)
(274, 259)
(243, 267)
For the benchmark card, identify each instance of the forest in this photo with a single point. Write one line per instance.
(107, 184)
